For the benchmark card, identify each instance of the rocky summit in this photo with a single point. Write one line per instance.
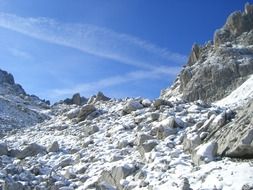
(197, 135)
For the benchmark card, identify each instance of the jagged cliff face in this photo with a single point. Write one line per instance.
(8, 84)
(215, 69)
(17, 109)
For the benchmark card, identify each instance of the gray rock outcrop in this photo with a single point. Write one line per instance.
(117, 173)
(85, 111)
(30, 150)
(76, 99)
(204, 153)
(235, 139)
(99, 97)
(3, 149)
(54, 147)
(12, 185)
(18, 109)
(215, 69)
(132, 106)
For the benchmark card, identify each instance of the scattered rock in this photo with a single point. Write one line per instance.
(99, 97)
(146, 102)
(185, 185)
(161, 102)
(163, 132)
(247, 187)
(220, 120)
(191, 141)
(204, 153)
(147, 146)
(54, 147)
(132, 106)
(85, 111)
(65, 162)
(12, 185)
(154, 116)
(116, 174)
(141, 138)
(73, 113)
(90, 129)
(30, 150)
(3, 149)
(76, 99)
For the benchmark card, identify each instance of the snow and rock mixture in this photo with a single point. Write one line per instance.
(122, 144)
(197, 135)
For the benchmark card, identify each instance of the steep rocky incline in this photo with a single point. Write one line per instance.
(18, 109)
(222, 71)
(236, 138)
(217, 68)
(122, 144)
(198, 135)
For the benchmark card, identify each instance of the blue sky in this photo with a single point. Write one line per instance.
(124, 48)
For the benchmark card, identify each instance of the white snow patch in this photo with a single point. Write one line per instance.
(238, 97)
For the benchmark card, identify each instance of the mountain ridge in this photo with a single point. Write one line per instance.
(184, 140)
(218, 67)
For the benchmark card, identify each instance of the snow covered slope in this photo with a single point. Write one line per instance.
(122, 144)
(239, 97)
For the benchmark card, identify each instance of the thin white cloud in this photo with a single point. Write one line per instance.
(94, 40)
(93, 87)
(20, 53)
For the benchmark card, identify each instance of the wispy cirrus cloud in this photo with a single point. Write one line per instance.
(93, 87)
(20, 53)
(94, 40)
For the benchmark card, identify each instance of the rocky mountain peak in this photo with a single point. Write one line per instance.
(217, 68)
(8, 85)
(237, 23)
(6, 77)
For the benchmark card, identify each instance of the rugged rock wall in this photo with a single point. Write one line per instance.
(18, 109)
(215, 69)
(236, 138)
(8, 85)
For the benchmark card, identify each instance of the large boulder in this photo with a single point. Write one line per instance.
(30, 150)
(161, 102)
(132, 106)
(54, 147)
(235, 139)
(205, 153)
(117, 173)
(99, 97)
(90, 129)
(3, 149)
(142, 138)
(85, 111)
(147, 146)
(191, 141)
(73, 113)
(76, 99)
(10, 184)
